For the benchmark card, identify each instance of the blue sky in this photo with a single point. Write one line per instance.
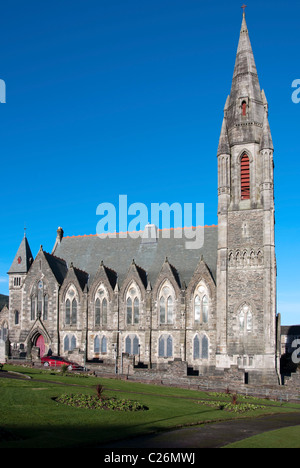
(110, 97)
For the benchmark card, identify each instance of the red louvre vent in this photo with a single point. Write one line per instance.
(245, 178)
(244, 108)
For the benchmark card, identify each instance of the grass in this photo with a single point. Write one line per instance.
(31, 418)
(288, 437)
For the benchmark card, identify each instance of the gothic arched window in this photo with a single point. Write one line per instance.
(66, 343)
(245, 319)
(101, 306)
(201, 304)
(104, 311)
(97, 311)
(165, 346)
(71, 306)
(104, 345)
(201, 347)
(166, 305)
(97, 344)
(17, 317)
(68, 311)
(244, 108)
(133, 306)
(132, 345)
(245, 177)
(74, 311)
(73, 342)
(205, 309)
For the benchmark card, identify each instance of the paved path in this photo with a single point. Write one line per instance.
(214, 435)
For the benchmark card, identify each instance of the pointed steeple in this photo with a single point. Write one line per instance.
(23, 258)
(245, 110)
(266, 139)
(223, 147)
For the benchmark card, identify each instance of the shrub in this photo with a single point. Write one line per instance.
(94, 402)
(100, 391)
(231, 407)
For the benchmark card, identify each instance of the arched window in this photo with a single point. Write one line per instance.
(201, 347)
(97, 344)
(135, 346)
(170, 310)
(66, 343)
(68, 311)
(136, 309)
(129, 311)
(97, 312)
(244, 108)
(205, 309)
(204, 347)
(128, 345)
(166, 305)
(104, 311)
(132, 345)
(73, 342)
(245, 177)
(104, 345)
(165, 346)
(71, 306)
(74, 311)
(196, 347)
(17, 317)
(245, 319)
(101, 306)
(40, 302)
(197, 309)
(201, 304)
(133, 306)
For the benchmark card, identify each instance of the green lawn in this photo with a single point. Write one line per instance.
(30, 417)
(288, 437)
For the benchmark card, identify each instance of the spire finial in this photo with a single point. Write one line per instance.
(244, 7)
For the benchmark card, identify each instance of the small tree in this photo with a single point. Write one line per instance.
(64, 369)
(100, 391)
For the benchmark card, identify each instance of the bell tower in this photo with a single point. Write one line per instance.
(246, 246)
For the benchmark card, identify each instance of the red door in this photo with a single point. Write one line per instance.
(40, 343)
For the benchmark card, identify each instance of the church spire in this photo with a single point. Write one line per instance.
(23, 258)
(245, 110)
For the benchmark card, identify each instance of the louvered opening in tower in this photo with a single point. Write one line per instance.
(245, 178)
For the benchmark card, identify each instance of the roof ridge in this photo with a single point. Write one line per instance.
(142, 230)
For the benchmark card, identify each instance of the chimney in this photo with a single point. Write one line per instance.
(60, 234)
(150, 234)
(59, 238)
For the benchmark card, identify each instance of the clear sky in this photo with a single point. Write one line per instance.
(110, 97)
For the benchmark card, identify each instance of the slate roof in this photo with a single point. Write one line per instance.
(290, 330)
(23, 258)
(58, 267)
(87, 252)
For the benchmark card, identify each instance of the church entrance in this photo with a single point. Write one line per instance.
(40, 343)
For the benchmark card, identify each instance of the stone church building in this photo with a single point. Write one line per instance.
(151, 299)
